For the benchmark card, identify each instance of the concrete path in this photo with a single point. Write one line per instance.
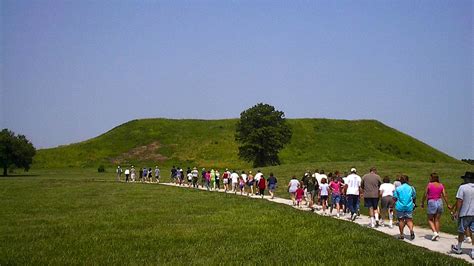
(422, 235)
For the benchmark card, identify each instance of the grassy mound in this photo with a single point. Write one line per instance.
(211, 143)
(76, 218)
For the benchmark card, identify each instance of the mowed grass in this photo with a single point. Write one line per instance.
(81, 217)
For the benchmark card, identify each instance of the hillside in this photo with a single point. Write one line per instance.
(211, 142)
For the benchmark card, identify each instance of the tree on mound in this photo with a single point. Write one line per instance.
(262, 132)
(15, 150)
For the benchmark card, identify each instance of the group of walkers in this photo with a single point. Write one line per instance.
(145, 175)
(384, 199)
(210, 179)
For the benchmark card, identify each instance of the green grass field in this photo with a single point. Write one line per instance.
(77, 216)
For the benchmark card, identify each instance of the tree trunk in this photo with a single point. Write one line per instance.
(4, 171)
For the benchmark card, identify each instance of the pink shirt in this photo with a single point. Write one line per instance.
(336, 187)
(434, 190)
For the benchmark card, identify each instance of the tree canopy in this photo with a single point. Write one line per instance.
(15, 150)
(261, 133)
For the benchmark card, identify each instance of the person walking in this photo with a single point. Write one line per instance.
(173, 174)
(352, 190)
(257, 178)
(203, 177)
(157, 174)
(213, 179)
(217, 179)
(465, 211)
(235, 180)
(241, 185)
(335, 188)
(324, 194)
(312, 188)
(299, 194)
(140, 174)
(119, 173)
(292, 187)
(208, 180)
(435, 193)
(262, 184)
(195, 174)
(370, 188)
(225, 180)
(250, 183)
(404, 197)
(272, 182)
(132, 173)
(127, 174)
(386, 194)
(245, 178)
(150, 175)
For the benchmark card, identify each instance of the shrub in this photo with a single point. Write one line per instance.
(101, 169)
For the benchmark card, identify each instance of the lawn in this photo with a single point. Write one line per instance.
(78, 216)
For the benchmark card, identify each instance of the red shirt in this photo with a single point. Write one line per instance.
(261, 183)
(299, 193)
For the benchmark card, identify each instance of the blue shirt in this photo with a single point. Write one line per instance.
(404, 195)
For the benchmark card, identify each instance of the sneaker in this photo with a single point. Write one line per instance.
(435, 237)
(371, 225)
(390, 226)
(353, 217)
(401, 237)
(455, 249)
(337, 215)
(412, 235)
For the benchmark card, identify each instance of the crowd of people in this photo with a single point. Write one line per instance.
(145, 174)
(342, 192)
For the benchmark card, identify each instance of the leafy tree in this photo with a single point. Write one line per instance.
(15, 150)
(262, 132)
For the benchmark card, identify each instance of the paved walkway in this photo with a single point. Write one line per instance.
(422, 239)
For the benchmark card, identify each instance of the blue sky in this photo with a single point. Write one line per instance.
(71, 70)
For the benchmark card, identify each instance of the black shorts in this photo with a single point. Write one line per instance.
(371, 202)
(324, 197)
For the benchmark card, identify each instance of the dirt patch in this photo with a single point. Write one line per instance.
(142, 153)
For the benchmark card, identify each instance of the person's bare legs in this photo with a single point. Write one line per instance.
(437, 222)
(401, 226)
(431, 222)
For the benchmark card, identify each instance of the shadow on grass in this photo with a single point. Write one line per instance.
(19, 175)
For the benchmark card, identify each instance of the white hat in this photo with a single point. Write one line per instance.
(353, 170)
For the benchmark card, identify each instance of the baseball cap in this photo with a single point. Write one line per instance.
(353, 170)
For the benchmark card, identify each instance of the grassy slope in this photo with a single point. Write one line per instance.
(74, 218)
(211, 143)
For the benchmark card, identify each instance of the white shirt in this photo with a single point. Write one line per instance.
(324, 188)
(387, 189)
(345, 180)
(466, 193)
(244, 177)
(190, 176)
(258, 176)
(127, 172)
(294, 183)
(353, 184)
(235, 177)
